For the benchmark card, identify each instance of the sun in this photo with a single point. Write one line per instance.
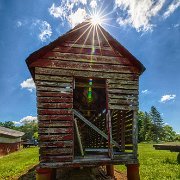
(96, 19)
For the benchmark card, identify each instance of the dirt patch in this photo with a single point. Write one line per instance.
(97, 173)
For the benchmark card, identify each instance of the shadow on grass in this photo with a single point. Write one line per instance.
(169, 161)
(29, 175)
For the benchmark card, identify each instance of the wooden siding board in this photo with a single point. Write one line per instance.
(61, 137)
(79, 73)
(83, 66)
(87, 58)
(57, 117)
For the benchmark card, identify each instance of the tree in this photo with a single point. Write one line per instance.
(29, 128)
(157, 122)
(8, 124)
(169, 134)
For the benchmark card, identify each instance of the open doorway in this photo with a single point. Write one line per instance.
(89, 101)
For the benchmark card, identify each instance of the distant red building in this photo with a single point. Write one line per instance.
(10, 140)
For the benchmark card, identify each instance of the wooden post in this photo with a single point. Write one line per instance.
(133, 172)
(110, 170)
(45, 174)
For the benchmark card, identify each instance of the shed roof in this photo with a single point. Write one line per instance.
(73, 35)
(10, 132)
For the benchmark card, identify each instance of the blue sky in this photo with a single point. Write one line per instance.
(149, 29)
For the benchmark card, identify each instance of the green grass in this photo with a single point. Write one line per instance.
(156, 164)
(18, 163)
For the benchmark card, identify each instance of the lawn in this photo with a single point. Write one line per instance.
(154, 164)
(18, 163)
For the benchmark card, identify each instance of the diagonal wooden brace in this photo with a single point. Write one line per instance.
(94, 127)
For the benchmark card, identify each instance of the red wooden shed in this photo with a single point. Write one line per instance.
(87, 99)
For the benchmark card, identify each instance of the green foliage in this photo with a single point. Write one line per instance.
(17, 163)
(152, 128)
(29, 128)
(8, 124)
(156, 164)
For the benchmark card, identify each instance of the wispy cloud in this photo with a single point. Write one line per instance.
(57, 11)
(146, 91)
(19, 23)
(44, 28)
(93, 4)
(138, 14)
(171, 8)
(167, 97)
(28, 84)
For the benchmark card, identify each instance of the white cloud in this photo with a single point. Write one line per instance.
(93, 4)
(19, 23)
(176, 25)
(57, 11)
(172, 7)
(28, 84)
(44, 28)
(28, 119)
(71, 11)
(25, 120)
(138, 13)
(17, 123)
(77, 17)
(146, 91)
(167, 97)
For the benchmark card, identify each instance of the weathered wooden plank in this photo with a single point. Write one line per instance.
(55, 151)
(123, 96)
(122, 91)
(54, 123)
(52, 112)
(60, 144)
(75, 50)
(61, 137)
(62, 72)
(123, 86)
(87, 58)
(54, 94)
(58, 89)
(53, 78)
(55, 117)
(84, 66)
(122, 107)
(58, 84)
(55, 105)
(123, 102)
(55, 130)
(121, 81)
(54, 100)
(86, 46)
(51, 159)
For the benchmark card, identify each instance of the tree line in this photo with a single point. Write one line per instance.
(29, 128)
(152, 128)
